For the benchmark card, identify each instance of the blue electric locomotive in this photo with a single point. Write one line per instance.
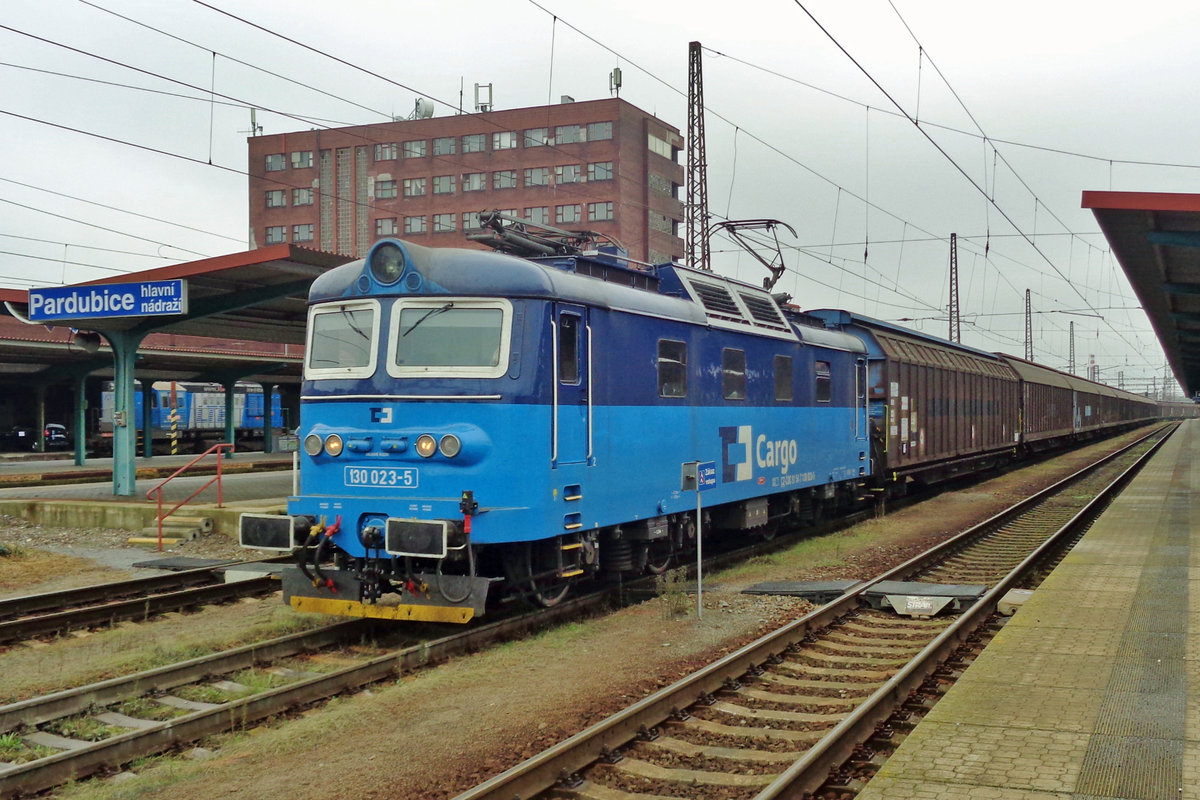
(476, 424)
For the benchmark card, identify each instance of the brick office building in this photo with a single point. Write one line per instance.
(601, 165)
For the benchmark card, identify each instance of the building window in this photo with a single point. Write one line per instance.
(302, 233)
(444, 146)
(275, 162)
(600, 171)
(537, 176)
(783, 379)
(471, 221)
(276, 234)
(599, 130)
(414, 149)
(443, 223)
(537, 137)
(538, 215)
(662, 185)
(661, 146)
(504, 179)
(733, 374)
(414, 224)
(443, 184)
(568, 173)
(567, 213)
(672, 368)
(663, 224)
(414, 187)
(276, 198)
(386, 152)
(385, 226)
(824, 391)
(566, 134)
(302, 197)
(598, 212)
(504, 140)
(302, 159)
(474, 181)
(474, 143)
(385, 190)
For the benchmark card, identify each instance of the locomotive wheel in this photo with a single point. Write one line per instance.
(534, 570)
(658, 555)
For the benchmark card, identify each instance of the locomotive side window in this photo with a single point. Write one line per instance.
(672, 368)
(733, 374)
(824, 382)
(568, 349)
(453, 338)
(784, 393)
(342, 340)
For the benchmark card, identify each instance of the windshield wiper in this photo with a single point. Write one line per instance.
(354, 327)
(426, 316)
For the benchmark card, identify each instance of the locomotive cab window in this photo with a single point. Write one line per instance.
(824, 393)
(733, 374)
(672, 368)
(449, 338)
(784, 393)
(568, 349)
(342, 340)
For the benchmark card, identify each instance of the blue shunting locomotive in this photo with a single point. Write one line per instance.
(472, 418)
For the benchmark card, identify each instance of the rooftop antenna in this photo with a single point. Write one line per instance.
(483, 105)
(255, 128)
(423, 109)
(614, 82)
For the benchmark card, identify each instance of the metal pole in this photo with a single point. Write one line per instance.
(699, 558)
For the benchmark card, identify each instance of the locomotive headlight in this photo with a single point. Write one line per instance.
(450, 446)
(387, 263)
(333, 444)
(426, 445)
(313, 444)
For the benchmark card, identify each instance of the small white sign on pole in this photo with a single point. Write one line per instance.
(698, 476)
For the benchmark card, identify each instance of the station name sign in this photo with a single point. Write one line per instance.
(144, 299)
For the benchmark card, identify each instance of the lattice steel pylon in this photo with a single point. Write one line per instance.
(1028, 328)
(955, 319)
(1071, 367)
(697, 167)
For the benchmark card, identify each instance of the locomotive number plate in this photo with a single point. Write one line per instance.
(382, 477)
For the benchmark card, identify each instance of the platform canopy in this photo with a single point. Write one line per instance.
(245, 310)
(237, 301)
(1156, 239)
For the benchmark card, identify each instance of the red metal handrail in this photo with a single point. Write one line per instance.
(220, 448)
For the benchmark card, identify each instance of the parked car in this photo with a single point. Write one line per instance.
(57, 437)
(19, 438)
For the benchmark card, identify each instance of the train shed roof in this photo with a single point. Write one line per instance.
(1156, 239)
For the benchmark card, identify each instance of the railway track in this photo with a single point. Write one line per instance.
(54, 613)
(782, 715)
(74, 733)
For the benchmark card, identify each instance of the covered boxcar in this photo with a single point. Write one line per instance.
(937, 408)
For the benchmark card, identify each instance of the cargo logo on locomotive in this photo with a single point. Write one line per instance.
(737, 449)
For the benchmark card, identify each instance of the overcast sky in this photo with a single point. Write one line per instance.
(1027, 103)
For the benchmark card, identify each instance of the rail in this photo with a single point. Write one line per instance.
(219, 449)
